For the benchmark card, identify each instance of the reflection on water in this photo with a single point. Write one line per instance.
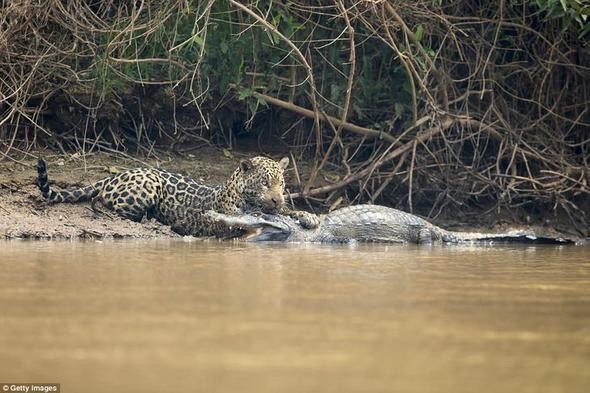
(173, 316)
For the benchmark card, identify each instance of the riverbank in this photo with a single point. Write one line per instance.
(25, 215)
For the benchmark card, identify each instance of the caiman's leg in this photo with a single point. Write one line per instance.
(449, 238)
(419, 233)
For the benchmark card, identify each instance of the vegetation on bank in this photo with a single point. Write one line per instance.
(424, 105)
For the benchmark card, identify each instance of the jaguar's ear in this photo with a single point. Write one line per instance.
(246, 165)
(284, 162)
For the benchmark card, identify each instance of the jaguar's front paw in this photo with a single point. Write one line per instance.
(307, 220)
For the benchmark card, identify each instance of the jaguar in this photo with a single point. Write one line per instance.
(143, 193)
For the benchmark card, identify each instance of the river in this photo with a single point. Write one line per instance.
(179, 316)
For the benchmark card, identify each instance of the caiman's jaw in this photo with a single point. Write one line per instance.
(267, 233)
(258, 228)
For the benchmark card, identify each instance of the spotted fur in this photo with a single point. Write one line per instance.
(257, 184)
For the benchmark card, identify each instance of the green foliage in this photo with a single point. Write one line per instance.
(231, 52)
(228, 49)
(572, 13)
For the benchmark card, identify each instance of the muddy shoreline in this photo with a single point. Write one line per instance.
(24, 214)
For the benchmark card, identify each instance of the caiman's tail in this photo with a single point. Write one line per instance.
(514, 236)
(71, 196)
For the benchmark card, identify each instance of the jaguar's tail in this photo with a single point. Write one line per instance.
(71, 196)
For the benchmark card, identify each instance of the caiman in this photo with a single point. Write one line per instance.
(363, 223)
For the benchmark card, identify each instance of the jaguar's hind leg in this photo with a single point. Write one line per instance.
(134, 210)
(130, 212)
(99, 201)
(130, 195)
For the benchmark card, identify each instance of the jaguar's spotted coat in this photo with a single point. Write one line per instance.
(257, 184)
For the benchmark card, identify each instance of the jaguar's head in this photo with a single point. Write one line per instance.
(259, 182)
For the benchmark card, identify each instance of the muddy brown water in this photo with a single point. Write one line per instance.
(177, 316)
